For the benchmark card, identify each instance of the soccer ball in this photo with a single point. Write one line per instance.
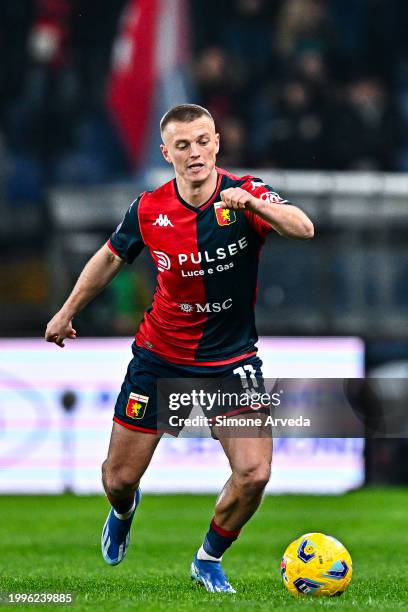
(317, 565)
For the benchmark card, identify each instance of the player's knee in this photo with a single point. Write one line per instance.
(120, 484)
(118, 481)
(254, 478)
(260, 478)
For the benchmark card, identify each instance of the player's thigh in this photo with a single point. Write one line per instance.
(134, 433)
(130, 451)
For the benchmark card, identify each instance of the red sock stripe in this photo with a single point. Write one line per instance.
(224, 532)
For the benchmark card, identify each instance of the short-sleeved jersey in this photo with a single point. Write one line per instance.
(202, 311)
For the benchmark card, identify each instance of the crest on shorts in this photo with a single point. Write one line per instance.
(136, 406)
(224, 216)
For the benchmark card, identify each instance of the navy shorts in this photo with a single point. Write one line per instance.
(139, 406)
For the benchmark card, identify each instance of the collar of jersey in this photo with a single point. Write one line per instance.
(206, 204)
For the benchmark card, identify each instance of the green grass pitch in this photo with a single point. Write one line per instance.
(52, 544)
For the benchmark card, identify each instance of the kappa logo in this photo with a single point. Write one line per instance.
(256, 183)
(163, 221)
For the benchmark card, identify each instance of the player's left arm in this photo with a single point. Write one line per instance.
(287, 219)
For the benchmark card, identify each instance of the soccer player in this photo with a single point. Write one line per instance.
(204, 230)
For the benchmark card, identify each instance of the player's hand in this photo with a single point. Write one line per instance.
(236, 198)
(59, 328)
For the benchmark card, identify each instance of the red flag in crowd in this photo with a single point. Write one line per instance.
(148, 57)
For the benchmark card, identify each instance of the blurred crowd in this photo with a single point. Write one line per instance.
(296, 84)
(54, 127)
(308, 84)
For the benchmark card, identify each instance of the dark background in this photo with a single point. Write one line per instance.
(294, 85)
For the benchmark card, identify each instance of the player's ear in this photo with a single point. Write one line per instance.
(165, 153)
(217, 143)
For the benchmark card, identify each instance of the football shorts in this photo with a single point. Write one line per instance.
(155, 390)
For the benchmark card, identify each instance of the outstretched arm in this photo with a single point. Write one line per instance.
(286, 219)
(96, 275)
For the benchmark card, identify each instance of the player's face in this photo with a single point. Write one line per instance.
(192, 148)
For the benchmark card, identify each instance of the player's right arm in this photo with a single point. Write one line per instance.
(96, 275)
(124, 246)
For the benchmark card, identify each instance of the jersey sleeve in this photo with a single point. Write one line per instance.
(259, 189)
(127, 241)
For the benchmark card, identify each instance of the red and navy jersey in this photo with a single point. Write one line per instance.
(207, 260)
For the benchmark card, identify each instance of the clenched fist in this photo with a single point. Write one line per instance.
(59, 328)
(236, 198)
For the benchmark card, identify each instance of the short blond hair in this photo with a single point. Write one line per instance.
(184, 113)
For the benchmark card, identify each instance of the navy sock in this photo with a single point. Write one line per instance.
(121, 505)
(217, 540)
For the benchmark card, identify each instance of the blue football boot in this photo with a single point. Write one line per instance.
(116, 535)
(210, 575)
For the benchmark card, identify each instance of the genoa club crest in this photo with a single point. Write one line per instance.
(224, 216)
(136, 406)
